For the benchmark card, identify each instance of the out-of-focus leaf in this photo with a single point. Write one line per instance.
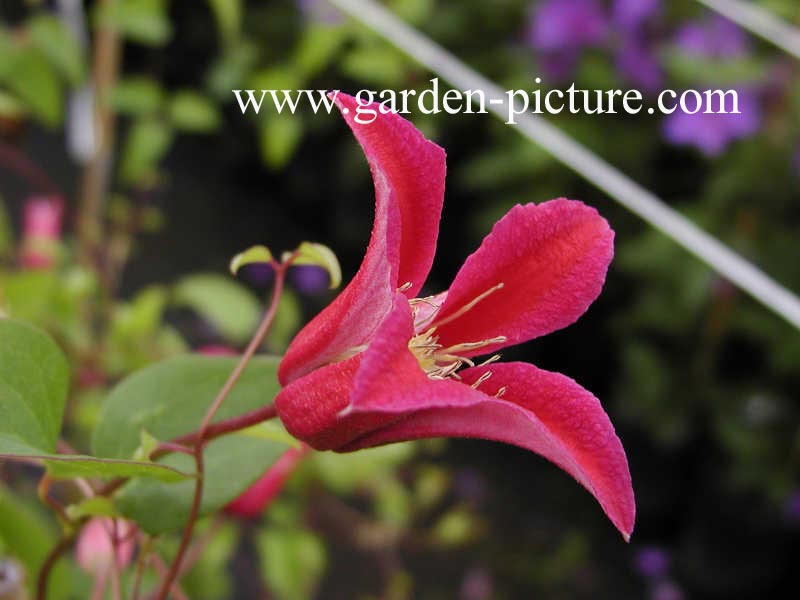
(10, 107)
(228, 305)
(415, 12)
(279, 136)
(29, 537)
(210, 577)
(379, 65)
(34, 379)
(34, 80)
(456, 527)
(287, 322)
(345, 473)
(190, 111)
(145, 145)
(59, 45)
(138, 334)
(228, 14)
(317, 48)
(6, 235)
(137, 96)
(143, 21)
(234, 66)
(169, 399)
(292, 561)
(693, 69)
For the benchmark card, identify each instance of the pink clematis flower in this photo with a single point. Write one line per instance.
(41, 231)
(380, 365)
(261, 494)
(94, 550)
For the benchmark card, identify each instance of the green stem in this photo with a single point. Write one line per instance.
(205, 427)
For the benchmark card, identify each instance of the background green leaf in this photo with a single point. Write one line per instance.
(227, 304)
(169, 399)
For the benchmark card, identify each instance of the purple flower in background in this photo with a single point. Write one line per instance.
(558, 25)
(637, 63)
(561, 29)
(666, 590)
(791, 507)
(309, 279)
(651, 562)
(320, 11)
(476, 585)
(713, 37)
(711, 133)
(633, 14)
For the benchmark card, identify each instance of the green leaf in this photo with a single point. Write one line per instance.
(35, 82)
(59, 45)
(96, 506)
(68, 467)
(145, 145)
(229, 306)
(310, 253)
(190, 111)
(6, 235)
(292, 561)
(228, 14)
(317, 47)
(143, 21)
(279, 136)
(34, 380)
(29, 537)
(137, 96)
(254, 254)
(33, 391)
(169, 399)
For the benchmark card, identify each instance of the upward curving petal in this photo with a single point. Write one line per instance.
(541, 411)
(551, 260)
(408, 172)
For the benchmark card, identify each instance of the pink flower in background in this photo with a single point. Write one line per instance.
(94, 550)
(259, 495)
(380, 365)
(42, 220)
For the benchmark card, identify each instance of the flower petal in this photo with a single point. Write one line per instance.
(408, 172)
(541, 411)
(552, 260)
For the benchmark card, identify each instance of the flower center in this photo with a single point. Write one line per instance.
(438, 361)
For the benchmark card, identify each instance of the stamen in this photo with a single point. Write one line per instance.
(490, 360)
(500, 339)
(405, 287)
(470, 305)
(500, 392)
(481, 379)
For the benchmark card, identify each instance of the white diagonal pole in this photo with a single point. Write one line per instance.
(759, 21)
(624, 190)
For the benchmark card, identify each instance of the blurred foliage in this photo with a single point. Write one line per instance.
(700, 380)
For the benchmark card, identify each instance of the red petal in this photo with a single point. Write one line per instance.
(545, 412)
(408, 172)
(552, 260)
(259, 495)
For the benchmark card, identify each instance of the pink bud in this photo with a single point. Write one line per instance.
(259, 495)
(42, 220)
(94, 549)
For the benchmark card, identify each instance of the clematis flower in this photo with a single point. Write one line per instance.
(259, 495)
(41, 231)
(380, 365)
(94, 550)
